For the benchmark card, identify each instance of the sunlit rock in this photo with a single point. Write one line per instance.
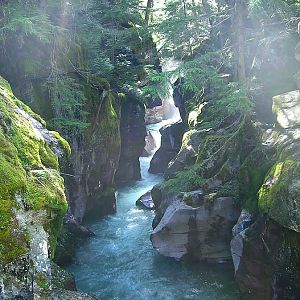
(170, 145)
(202, 231)
(146, 201)
(287, 109)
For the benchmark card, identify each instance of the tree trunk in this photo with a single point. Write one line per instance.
(239, 32)
(150, 4)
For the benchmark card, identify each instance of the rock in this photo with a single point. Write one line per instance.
(266, 255)
(32, 199)
(279, 195)
(150, 144)
(61, 278)
(180, 99)
(146, 201)
(94, 161)
(133, 132)
(202, 232)
(244, 221)
(266, 264)
(58, 294)
(170, 145)
(71, 233)
(287, 109)
(188, 152)
(252, 272)
(154, 103)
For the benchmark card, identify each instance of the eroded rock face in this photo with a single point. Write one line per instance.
(201, 231)
(133, 132)
(188, 152)
(32, 199)
(266, 254)
(94, 159)
(150, 144)
(170, 145)
(266, 261)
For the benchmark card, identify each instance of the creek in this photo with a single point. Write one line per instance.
(120, 263)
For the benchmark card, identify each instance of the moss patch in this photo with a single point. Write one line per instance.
(62, 143)
(280, 194)
(29, 177)
(252, 176)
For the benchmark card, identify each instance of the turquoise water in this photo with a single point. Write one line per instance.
(120, 263)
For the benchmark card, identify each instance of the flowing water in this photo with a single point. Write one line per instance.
(120, 263)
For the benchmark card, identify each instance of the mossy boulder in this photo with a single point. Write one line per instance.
(254, 169)
(280, 193)
(279, 196)
(32, 197)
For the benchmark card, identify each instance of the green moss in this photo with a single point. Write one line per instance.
(29, 111)
(42, 281)
(214, 152)
(13, 242)
(23, 158)
(252, 176)
(279, 196)
(45, 188)
(48, 158)
(12, 175)
(185, 181)
(107, 132)
(62, 143)
(99, 82)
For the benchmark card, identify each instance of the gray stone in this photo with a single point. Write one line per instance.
(287, 109)
(146, 201)
(202, 232)
(171, 138)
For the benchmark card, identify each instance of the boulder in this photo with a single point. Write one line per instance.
(170, 145)
(150, 144)
(71, 233)
(266, 261)
(32, 198)
(188, 152)
(146, 201)
(200, 230)
(287, 109)
(278, 196)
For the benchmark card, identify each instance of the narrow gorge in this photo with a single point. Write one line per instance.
(150, 149)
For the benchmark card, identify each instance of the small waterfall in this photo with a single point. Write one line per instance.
(171, 112)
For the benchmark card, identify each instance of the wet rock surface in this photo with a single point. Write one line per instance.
(170, 145)
(201, 231)
(287, 109)
(146, 201)
(33, 202)
(133, 132)
(150, 144)
(266, 253)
